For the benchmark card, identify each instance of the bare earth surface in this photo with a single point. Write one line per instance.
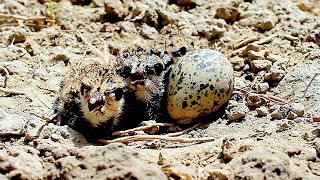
(270, 128)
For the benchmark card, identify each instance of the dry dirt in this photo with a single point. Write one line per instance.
(258, 137)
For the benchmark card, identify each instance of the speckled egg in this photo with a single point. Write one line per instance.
(199, 84)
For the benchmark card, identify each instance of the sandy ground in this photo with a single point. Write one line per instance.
(270, 128)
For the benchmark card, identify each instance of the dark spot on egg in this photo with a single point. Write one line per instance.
(203, 86)
(184, 104)
(193, 103)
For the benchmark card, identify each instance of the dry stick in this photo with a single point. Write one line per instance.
(11, 92)
(84, 55)
(290, 38)
(269, 97)
(154, 137)
(267, 39)
(31, 18)
(184, 131)
(47, 89)
(26, 24)
(245, 41)
(106, 60)
(119, 133)
(262, 41)
(45, 118)
(305, 91)
(90, 45)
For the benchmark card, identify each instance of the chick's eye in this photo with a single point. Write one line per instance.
(118, 93)
(158, 68)
(125, 54)
(149, 70)
(125, 72)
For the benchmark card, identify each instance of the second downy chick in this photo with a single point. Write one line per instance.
(145, 73)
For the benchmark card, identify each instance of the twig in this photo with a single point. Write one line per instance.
(305, 91)
(262, 41)
(274, 98)
(4, 72)
(184, 131)
(245, 41)
(267, 39)
(45, 118)
(11, 92)
(90, 45)
(105, 53)
(44, 103)
(43, 88)
(154, 137)
(269, 97)
(291, 38)
(26, 24)
(119, 133)
(31, 18)
(84, 55)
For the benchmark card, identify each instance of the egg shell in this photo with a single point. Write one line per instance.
(199, 84)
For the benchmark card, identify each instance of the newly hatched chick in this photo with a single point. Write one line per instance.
(91, 101)
(144, 73)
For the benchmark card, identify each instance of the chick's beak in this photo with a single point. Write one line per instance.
(137, 78)
(95, 102)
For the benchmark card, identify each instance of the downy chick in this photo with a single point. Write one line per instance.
(91, 101)
(145, 74)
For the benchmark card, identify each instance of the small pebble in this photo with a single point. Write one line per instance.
(293, 150)
(19, 36)
(237, 63)
(228, 13)
(283, 126)
(238, 111)
(263, 87)
(316, 117)
(251, 46)
(262, 111)
(294, 133)
(220, 174)
(260, 65)
(257, 55)
(297, 108)
(149, 32)
(309, 154)
(311, 135)
(281, 112)
(275, 74)
(152, 130)
(16, 66)
(292, 115)
(254, 101)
